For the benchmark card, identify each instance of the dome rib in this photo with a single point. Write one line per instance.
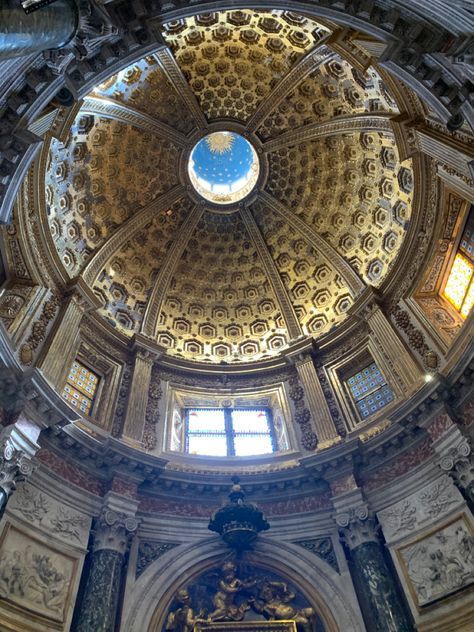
(168, 266)
(288, 313)
(335, 260)
(108, 108)
(343, 125)
(175, 75)
(128, 229)
(317, 56)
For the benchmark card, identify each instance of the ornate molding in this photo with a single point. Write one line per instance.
(150, 320)
(343, 125)
(352, 279)
(307, 64)
(175, 75)
(107, 108)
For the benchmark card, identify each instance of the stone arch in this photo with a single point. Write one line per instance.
(331, 593)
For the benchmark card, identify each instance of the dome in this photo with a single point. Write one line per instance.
(318, 210)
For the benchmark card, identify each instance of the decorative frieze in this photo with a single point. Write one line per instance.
(148, 552)
(322, 548)
(417, 511)
(49, 515)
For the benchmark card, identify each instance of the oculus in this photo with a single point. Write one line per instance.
(223, 167)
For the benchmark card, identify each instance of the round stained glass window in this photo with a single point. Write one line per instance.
(223, 167)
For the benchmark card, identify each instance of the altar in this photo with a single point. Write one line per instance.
(245, 626)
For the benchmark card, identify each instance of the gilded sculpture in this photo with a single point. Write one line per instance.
(237, 599)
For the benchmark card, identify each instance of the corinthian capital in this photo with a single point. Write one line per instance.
(113, 530)
(357, 526)
(15, 464)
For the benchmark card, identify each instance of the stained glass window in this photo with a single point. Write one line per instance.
(81, 386)
(369, 390)
(229, 431)
(459, 288)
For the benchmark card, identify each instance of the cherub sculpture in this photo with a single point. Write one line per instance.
(273, 603)
(230, 585)
(183, 619)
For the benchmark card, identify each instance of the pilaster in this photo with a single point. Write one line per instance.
(320, 413)
(405, 371)
(146, 353)
(61, 348)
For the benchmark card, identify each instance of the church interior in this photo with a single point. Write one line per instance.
(236, 316)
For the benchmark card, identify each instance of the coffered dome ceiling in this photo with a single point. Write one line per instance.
(234, 282)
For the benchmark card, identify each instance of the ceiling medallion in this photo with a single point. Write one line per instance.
(223, 167)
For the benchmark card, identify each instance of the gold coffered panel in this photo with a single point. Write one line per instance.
(333, 89)
(233, 59)
(124, 284)
(351, 190)
(98, 179)
(318, 292)
(145, 87)
(220, 304)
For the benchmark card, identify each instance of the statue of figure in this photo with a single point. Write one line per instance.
(183, 619)
(224, 606)
(273, 603)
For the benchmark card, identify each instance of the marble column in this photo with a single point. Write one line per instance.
(320, 413)
(380, 602)
(145, 354)
(62, 345)
(97, 611)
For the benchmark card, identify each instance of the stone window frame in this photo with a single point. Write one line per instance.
(174, 402)
(342, 368)
(108, 372)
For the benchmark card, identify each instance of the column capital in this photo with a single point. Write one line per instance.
(457, 459)
(17, 452)
(115, 524)
(358, 526)
(82, 295)
(146, 348)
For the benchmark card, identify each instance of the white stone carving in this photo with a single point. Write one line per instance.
(41, 510)
(420, 509)
(35, 576)
(440, 564)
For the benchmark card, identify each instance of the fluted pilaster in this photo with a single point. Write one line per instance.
(135, 416)
(63, 343)
(323, 422)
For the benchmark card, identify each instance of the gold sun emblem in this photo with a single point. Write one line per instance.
(220, 142)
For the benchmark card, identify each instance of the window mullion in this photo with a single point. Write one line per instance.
(271, 427)
(229, 431)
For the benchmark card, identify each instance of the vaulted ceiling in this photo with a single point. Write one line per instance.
(327, 219)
